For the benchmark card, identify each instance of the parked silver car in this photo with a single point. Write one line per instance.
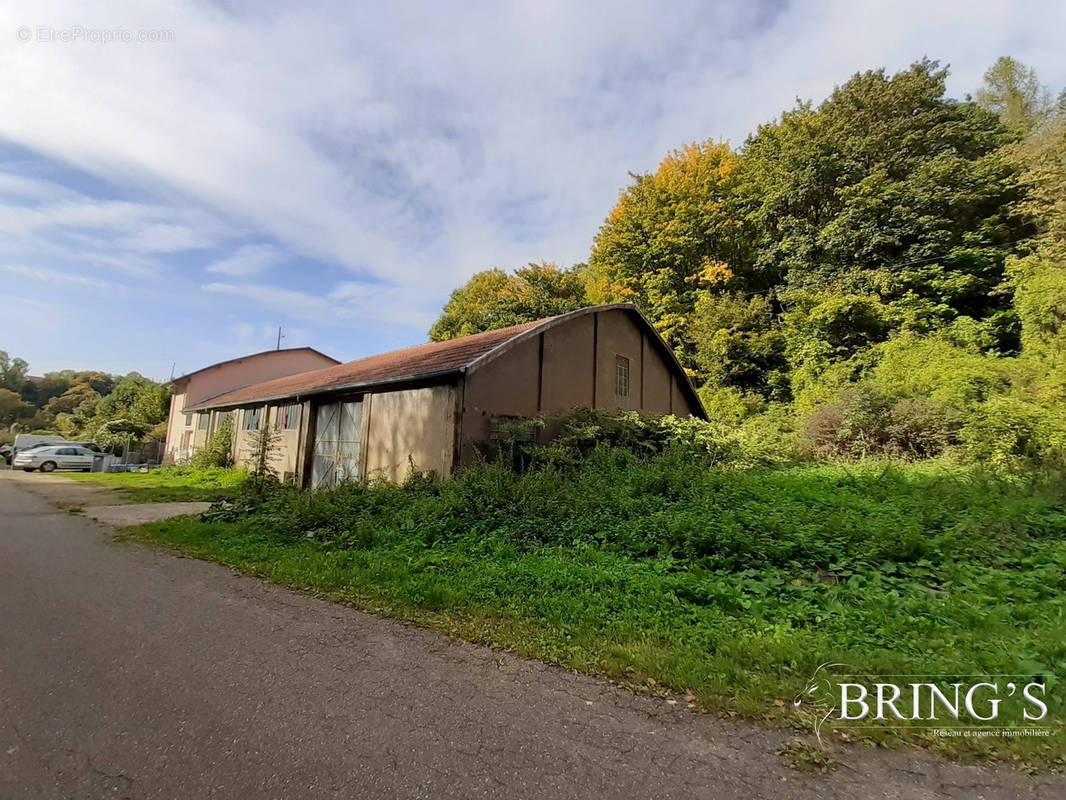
(51, 458)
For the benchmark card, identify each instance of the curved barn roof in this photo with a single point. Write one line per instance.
(265, 354)
(426, 362)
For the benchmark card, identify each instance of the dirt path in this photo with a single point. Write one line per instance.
(128, 672)
(140, 513)
(60, 491)
(98, 502)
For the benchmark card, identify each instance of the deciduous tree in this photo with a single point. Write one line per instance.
(12, 371)
(493, 299)
(1014, 92)
(739, 344)
(13, 407)
(672, 234)
(887, 188)
(1042, 157)
(71, 399)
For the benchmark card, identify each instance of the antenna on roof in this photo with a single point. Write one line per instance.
(280, 337)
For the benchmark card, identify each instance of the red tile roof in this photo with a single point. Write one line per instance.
(411, 363)
(427, 361)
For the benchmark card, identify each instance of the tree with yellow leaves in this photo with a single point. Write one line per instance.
(675, 234)
(493, 299)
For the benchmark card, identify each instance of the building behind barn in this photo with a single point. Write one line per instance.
(187, 432)
(434, 406)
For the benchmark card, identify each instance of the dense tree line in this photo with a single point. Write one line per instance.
(84, 406)
(884, 269)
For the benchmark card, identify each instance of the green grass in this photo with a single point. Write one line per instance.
(734, 585)
(168, 484)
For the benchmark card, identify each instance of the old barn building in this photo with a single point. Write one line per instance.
(432, 406)
(186, 432)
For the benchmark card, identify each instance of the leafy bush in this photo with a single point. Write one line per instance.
(757, 441)
(216, 452)
(1014, 431)
(736, 584)
(729, 404)
(866, 422)
(922, 428)
(669, 506)
(909, 366)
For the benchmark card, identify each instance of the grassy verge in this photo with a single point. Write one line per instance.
(168, 484)
(732, 585)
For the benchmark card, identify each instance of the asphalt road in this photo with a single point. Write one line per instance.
(129, 672)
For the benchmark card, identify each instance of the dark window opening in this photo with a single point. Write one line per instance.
(288, 417)
(621, 376)
(251, 418)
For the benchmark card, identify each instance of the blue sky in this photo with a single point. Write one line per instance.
(337, 170)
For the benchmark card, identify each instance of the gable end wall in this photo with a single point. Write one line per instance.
(570, 365)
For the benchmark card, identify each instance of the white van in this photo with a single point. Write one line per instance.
(24, 441)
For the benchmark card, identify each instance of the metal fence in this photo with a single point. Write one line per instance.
(142, 453)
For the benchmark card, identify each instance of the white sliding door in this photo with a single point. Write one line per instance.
(338, 430)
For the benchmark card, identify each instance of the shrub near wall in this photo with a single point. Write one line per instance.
(216, 451)
(567, 440)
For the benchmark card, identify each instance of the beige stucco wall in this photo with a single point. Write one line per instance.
(182, 440)
(224, 377)
(411, 425)
(200, 433)
(252, 369)
(172, 450)
(578, 369)
(618, 335)
(567, 379)
(655, 376)
(242, 445)
(287, 455)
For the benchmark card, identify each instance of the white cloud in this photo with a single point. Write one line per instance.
(411, 146)
(394, 142)
(163, 237)
(21, 187)
(41, 219)
(56, 276)
(247, 260)
(349, 301)
(287, 301)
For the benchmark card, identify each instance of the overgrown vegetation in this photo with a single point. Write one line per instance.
(566, 441)
(871, 296)
(883, 270)
(263, 444)
(657, 569)
(112, 411)
(170, 484)
(217, 450)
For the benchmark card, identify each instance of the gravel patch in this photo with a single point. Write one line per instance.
(140, 513)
